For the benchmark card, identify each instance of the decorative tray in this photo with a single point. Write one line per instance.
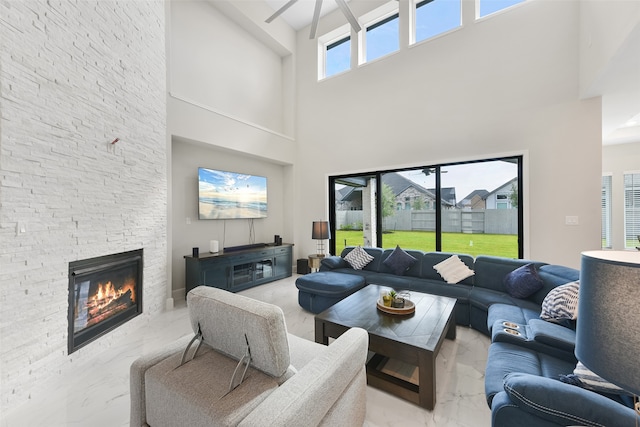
(409, 307)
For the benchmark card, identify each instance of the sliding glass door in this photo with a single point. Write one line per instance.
(468, 207)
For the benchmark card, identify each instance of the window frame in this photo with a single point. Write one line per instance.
(413, 30)
(605, 204)
(437, 168)
(634, 190)
(374, 19)
(330, 40)
(495, 12)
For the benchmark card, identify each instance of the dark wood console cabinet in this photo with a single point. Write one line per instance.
(239, 269)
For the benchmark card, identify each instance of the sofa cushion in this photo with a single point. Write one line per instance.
(505, 358)
(523, 281)
(195, 393)
(333, 263)
(225, 319)
(553, 276)
(491, 271)
(453, 270)
(399, 261)
(564, 404)
(561, 303)
(512, 313)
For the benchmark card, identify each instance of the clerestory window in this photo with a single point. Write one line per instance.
(434, 17)
(487, 7)
(337, 56)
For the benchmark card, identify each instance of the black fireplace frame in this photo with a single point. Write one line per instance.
(87, 267)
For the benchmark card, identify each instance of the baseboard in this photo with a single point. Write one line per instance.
(178, 295)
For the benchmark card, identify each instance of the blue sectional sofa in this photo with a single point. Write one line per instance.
(475, 294)
(528, 356)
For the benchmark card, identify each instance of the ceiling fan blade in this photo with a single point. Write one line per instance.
(316, 18)
(349, 15)
(280, 11)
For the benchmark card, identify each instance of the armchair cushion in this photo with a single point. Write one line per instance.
(564, 404)
(225, 318)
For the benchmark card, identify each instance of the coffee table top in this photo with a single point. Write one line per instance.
(422, 329)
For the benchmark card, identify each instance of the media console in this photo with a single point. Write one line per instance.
(238, 268)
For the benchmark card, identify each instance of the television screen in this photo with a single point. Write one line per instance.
(230, 195)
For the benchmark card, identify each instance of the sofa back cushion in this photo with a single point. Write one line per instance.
(430, 259)
(225, 319)
(553, 276)
(491, 271)
(376, 253)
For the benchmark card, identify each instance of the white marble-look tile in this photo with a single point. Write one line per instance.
(96, 391)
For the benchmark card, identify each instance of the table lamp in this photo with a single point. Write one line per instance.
(320, 232)
(608, 328)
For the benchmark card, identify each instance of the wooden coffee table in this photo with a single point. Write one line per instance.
(414, 339)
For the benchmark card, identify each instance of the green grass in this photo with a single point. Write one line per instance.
(504, 245)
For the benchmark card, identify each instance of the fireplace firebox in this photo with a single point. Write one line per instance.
(104, 293)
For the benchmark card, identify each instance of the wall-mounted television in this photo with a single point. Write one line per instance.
(231, 195)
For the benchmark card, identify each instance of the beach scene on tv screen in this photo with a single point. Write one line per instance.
(230, 195)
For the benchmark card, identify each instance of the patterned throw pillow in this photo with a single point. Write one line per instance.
(523, 282)
(561, 303)
(399, 261)
(453, 270)
(592, 381)
(358, 258)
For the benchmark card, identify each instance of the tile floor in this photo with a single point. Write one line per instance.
(97, 397)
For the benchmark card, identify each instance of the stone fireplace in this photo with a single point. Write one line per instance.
(104, 293)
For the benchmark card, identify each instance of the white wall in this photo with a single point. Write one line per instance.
(186, 157)
(217, 63)
(229, 107)
(616, 161)
(75, 76)
(505, 85)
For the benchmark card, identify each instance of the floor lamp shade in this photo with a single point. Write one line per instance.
(608, 329)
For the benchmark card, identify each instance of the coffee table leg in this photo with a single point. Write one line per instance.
(427, 379)
(320, 336)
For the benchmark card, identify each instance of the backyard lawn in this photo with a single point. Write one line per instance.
(504, 245)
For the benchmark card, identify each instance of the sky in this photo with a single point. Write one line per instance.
(468, 177)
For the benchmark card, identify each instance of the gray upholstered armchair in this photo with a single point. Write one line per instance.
(289, 382)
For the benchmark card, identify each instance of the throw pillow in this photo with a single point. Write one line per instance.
(523, 282)
(592, 381)
(399, 261)
(453, 270)
(561, 303)
(358, 258)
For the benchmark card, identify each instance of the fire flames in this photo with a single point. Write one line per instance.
(109, 300)
(107, 293)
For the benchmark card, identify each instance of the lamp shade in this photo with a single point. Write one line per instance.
(608, 330)
(320, 230)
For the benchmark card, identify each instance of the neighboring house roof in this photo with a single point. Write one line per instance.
(508, 183)
(398, 184)
(482, 194)
(448, 195)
